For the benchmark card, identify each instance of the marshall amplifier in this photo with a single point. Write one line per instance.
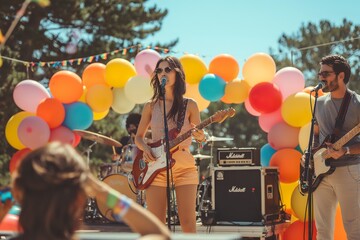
(238, 157)
(246, 194)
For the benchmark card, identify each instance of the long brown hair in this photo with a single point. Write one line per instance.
(179, 87)
(50, 180)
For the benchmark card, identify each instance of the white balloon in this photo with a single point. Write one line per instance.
(138, 89)
(121, 104)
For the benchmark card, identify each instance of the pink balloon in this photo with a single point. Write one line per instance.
(267, 120)
(33, 132)
(282, 135)
(265, 97)
(289, 80)
(62, 134)
(145, 62)
(28, 94)
(250, 109)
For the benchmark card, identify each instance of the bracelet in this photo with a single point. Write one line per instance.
(119, 205)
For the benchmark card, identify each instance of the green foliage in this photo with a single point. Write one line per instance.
(305, 48)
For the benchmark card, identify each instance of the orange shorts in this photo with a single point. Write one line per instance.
(184, 171)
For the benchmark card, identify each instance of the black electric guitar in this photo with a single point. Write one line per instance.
(320, 167)
(144, 172)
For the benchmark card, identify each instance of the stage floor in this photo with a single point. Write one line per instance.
(219, 231)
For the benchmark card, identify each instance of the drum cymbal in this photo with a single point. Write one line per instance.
(97, 138)
(216, 139)
(200, 156)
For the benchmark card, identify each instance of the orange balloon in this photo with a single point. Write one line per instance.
(237, 91)
(225, 99)
(225, 66)
(17, 157)
(66, 86)
(288, 162)
(192, 91)
(260, 67)
(339, 232)
(52, 111)
(308, 90)
(94, 74)
(99, 97)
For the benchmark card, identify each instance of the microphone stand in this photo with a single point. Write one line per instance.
(308, 175)
(167, 150)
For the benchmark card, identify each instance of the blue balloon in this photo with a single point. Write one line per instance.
(78, 115)
(266, 153)
(15, 210)
(212, 87)
(299, 149)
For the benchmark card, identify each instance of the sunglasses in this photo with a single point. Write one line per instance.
(160, 70)
(325, 74)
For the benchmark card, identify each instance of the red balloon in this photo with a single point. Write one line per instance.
(14, 161)
(77, 140)
(296, 231)
(10, 223)
(265, 97)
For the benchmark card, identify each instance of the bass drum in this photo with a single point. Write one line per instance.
(121, 184)
(128, 155)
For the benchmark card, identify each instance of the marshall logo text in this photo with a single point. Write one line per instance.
(237, 189)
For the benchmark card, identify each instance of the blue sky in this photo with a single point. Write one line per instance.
(241, 28)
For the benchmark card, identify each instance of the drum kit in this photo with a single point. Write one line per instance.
(117, 175)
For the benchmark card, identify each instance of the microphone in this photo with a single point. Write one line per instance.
(321, 85)
(163, 81)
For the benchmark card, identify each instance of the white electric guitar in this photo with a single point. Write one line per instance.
(321, 157)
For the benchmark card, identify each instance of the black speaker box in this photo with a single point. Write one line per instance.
(246, 194)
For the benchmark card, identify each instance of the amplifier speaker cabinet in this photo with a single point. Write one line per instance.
(246, 194)
(238, 157)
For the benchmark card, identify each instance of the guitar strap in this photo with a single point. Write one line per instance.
(181, 116)
(341, 116)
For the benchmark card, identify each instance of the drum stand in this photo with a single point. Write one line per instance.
(91, 214)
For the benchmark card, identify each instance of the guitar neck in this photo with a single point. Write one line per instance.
(173, 143)
(347, 137)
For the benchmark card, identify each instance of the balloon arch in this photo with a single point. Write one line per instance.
(278, 98)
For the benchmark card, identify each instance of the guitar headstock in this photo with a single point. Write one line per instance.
(221, 115)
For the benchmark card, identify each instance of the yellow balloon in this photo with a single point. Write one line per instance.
(259, 67)
(192, 91)
(237, 91)
(12, 127)
(298, 205)
(121, 104)
(286, 190)
(304, 135)
(194, 68)
(99, 97)
(100, 115)
(296, 110)
(118, 71)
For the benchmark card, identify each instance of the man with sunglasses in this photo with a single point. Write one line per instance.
(343, 185)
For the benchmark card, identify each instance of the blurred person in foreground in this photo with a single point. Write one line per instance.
(51, 184)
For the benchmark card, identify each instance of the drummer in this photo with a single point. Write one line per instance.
(132, 123)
